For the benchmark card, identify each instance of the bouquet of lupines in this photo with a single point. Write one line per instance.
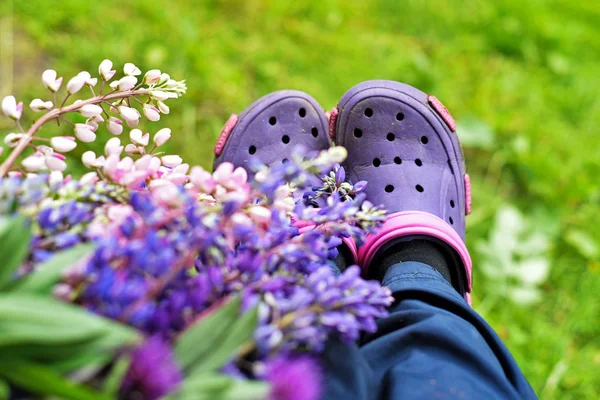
(148, 279)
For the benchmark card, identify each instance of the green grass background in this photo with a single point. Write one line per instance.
(521, 78)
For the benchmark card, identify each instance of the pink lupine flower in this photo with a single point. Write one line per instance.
(105, 70)
(55, 161)
(151, 112)
(114, 126)
(34, 163)
(38, 105)
(50, 81)
(11, 109)
(113, 146)
(162, 136)
(171, 160)
(138, 138)
(130, 69)
(151, 77)
(13, 139)
(85, 133)
(63, 144)
(202, 180)
(75, 84)
(90, 110)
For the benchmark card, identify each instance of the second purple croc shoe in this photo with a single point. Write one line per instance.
(403, 143)
(271, 127)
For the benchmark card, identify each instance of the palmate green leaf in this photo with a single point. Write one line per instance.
(202, 336)
(49, 272)
(15, 235)
(219, 387)
(34, 320)
(44, 381)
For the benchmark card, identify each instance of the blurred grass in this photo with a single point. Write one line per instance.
(521, 77)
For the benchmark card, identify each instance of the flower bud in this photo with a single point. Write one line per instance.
(162, 136)
(90, 110)
(13, 139)
(161, 95)
(63, 144)
(38, 105)
(11, 109)
(171, 160)
(131, 149)
(113, 146)
(181, 169)
(138, 138)
(114, 126)
(125, 83)
(85, 133)
(151, 112)
(129, 113)
(162, 107)
(75, 84)
(164, 78)
(260, 214)
(88, 158)
(89, 179)
(202, 180)
(151, 77)
(34, 163)
(55, 162)
(87, 78)
(105, 70)
(50, 82)
(130, 69)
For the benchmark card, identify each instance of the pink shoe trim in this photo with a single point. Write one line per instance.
(229, 125)
(468, 194)
(442, 112)
(411, 223)
(332, 120)
(304, 226)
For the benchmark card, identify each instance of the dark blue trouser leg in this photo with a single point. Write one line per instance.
(431, 346)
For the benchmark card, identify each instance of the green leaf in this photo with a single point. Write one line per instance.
(29, 320)
(583, 243)
(200, 337)
(50, 272)
(221, 352)
(15, 235)
(219, 387)
(44, 381)
(113, 381)
(4, 390)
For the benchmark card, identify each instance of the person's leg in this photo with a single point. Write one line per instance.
(433, 345)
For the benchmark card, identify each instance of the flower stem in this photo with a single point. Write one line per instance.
(55, 114)
(65, 100)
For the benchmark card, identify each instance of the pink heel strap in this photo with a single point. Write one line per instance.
(416, 223)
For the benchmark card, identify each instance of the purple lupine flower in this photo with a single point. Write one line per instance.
(153, 372)
(294, 378)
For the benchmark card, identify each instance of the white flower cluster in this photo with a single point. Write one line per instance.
(110, 108)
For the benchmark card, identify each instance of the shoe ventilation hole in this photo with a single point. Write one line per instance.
(390, 136)
(272, 120)
(302, 113)
(285, 161)
(376, 162)
(389, 188)
(451, 221)
(452, 203)
(357, 133)
(419, 188)
(252, 149)
(398, 160)
(424, 139)
(368, 112)
(315, 132)
(285, 139)
(418, 162)
(400, 116)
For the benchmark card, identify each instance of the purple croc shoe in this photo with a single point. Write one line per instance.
(271, 127)
(403, 143)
